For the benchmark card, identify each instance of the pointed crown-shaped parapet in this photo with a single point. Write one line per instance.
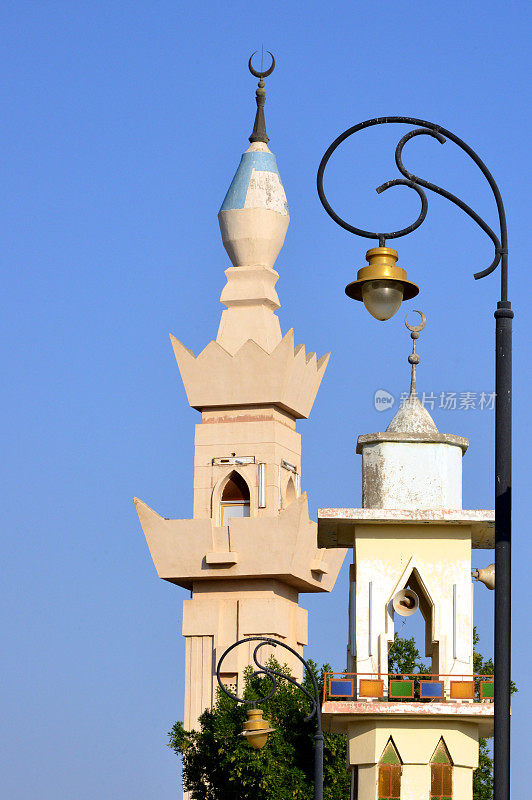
(186, 551)
(288, 377)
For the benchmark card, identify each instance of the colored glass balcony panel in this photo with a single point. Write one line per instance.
(462, 690)
(341, 687)
(371, 687)
(431, 690)
(487, 690)
(401, 689)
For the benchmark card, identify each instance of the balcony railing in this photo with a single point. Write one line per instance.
(407, 687)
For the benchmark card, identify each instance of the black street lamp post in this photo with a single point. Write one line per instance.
(258, 730)
(382, 287)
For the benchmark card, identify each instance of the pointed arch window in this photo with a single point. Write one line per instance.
(390, 773)
(234, 501)
(416, 583)
(441, 774)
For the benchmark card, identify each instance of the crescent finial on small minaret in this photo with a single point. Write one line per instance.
(259, 128)
(261, 74)
(413, 358)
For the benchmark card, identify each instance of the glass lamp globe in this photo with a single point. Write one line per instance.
(382, 298)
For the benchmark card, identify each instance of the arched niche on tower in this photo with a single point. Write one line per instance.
(412, 579)
(290, 493)
(233, 498)
(289, 484)
(426, 608)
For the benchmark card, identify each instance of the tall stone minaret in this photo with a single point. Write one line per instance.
(250, 548)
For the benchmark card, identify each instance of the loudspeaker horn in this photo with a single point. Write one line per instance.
(486, 576)
(405, 602)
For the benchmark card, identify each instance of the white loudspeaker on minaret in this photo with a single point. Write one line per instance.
(405, 603)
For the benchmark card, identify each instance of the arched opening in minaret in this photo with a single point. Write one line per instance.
(235, 500)
(419, 627)
(441, 773)
(290, 493)
(390, 769)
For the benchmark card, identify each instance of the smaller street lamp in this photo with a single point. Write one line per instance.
(256, 729)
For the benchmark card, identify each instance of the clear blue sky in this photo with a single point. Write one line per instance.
(123, 124)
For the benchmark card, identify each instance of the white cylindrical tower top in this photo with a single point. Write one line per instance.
(411, 465)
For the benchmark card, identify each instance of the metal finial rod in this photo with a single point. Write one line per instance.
(259, 128)
(414, 358)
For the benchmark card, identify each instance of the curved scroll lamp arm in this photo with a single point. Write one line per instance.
(415, 182)
(271, 673)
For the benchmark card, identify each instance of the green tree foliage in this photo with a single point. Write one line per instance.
(404, 657)
(483, 775)
(219, 764)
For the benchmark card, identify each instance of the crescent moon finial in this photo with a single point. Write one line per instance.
(258, 74)
(416, 328)
(259, 128)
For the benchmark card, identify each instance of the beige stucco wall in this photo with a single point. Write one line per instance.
(384, 558)
(287, 376)
(415, 743)
(415, 782)
(267, 434)
(367, 740)
(251, 301)
(221, 612)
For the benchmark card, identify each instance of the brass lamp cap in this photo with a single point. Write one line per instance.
(381, 266)
(256, 729)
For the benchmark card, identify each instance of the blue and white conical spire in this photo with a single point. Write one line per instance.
(253, 222)
(254, 214)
